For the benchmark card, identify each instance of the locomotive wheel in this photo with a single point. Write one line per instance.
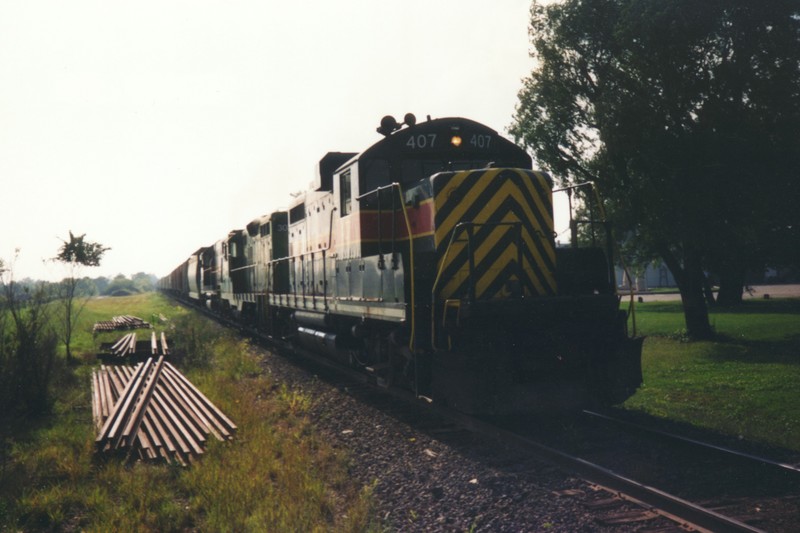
(400, 358)
(381, 354)
(389, 362)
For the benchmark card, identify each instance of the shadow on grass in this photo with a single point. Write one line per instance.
(705, 434)
(728, 349)
(788, 306)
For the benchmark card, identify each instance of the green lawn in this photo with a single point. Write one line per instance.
(746, 382)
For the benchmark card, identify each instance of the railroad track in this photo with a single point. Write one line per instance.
(686, 514)
(759, 492)
(757, 458)
(620, 490)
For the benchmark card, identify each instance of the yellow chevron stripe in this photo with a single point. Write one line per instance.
(506, 190)
(486, 247)
(443, 231)
(509, 254)
(448, 291)
(541, 203)
(510, 189)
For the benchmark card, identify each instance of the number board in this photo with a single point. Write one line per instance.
(441, 140)
(449, 138)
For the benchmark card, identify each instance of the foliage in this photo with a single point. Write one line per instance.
(121, 286)
(27, 347)
(144, 282)
(75, 253)
(193, 338)
(687, 115)
(80, 252)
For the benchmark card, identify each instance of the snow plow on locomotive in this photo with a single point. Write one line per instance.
(429, 260)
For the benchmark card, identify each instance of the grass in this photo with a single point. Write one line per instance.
(147, 306)
(742, 383)
(277, 474)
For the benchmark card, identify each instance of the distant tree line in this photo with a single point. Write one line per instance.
(119, 285)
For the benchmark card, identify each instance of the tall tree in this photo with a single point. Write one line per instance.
(687, 116)
(75, 253)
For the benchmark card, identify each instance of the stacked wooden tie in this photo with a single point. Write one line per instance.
(151, 411)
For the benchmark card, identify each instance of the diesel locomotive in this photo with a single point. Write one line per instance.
(429, 261)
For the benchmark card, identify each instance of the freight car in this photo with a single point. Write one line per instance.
(429, 261)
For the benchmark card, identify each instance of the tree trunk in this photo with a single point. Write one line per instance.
(731, 287)
(695, 311)
(708, 292)
(69, 312)
(691, 281)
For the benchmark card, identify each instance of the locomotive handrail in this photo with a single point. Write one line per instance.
(574, 237)
(471, 262)
(396, 186)
(237, 269)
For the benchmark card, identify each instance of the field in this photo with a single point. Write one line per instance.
(276, 475)
(743, 383)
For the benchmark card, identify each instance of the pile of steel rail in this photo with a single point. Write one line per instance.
(126, 346)
(152, 412)
(121, 322)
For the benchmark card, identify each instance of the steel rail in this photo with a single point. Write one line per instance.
(658, 501)
(675, 436)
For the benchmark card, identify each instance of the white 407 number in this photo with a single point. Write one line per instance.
(480, 141)
(417, 142)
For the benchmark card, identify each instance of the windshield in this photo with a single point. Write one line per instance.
(379, 173)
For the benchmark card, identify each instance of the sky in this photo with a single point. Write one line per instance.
(156, 127)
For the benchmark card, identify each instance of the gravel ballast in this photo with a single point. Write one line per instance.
(458, 481)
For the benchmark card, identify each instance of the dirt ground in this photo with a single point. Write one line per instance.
(757, 291)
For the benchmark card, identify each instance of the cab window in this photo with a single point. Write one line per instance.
(345, 195)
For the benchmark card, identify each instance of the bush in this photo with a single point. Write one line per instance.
(192, 340)
(28, 348)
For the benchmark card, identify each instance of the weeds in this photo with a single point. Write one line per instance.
(27, 348)
(192, 338)
(275, 475)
